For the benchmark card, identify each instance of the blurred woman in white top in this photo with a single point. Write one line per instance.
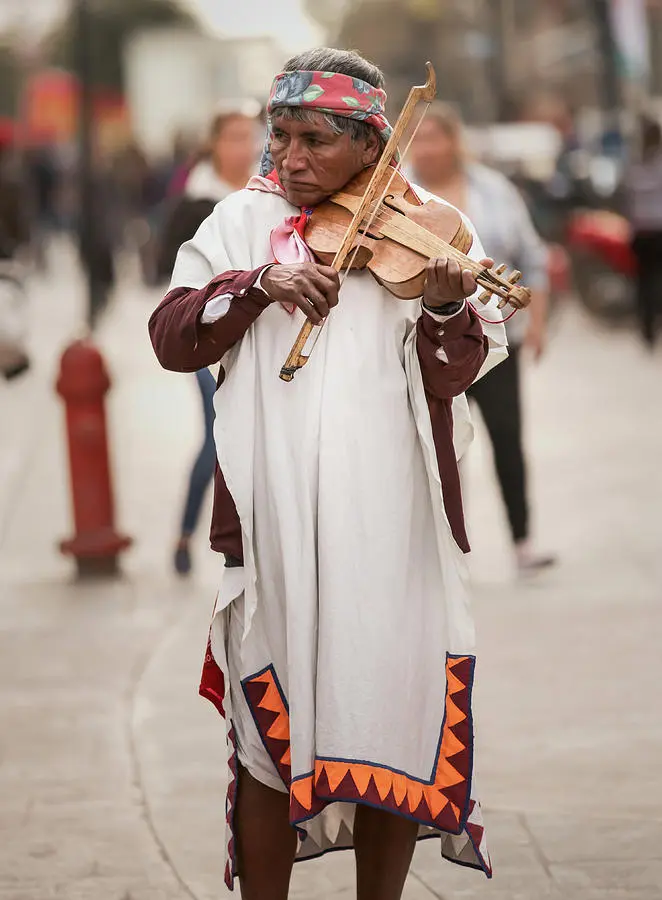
(440, 164)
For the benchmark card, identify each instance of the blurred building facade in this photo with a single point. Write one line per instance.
(491, 56)
(211, 72)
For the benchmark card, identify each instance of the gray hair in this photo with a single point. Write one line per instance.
(345, 62)
(357, 130)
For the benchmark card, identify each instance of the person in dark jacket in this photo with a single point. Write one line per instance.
(644, 195)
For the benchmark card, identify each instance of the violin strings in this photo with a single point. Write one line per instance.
(373, 218)
(458, 254)
(406, 150)
(452, 252)
(377, 210)
(376, 217)
(396, 171)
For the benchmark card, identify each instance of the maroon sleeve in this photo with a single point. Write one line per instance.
(464, 344)
(180, 340)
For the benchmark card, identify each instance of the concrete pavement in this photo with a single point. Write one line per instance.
(111, 767)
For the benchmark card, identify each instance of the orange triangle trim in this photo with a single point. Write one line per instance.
(272, 700)
(454, 685)
(383, 781)
(335, 772)
(435, 800)
(446, 775)
(265, 678)
(280, 729)
(361, 775)
(414, 795)
(400, 788)
(450, 745)
(302, 791)
(451, 663)
(454, 714)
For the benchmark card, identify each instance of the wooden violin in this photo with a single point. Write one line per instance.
(400, 239)
(377, 222)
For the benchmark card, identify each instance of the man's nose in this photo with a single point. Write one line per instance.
(295, 158)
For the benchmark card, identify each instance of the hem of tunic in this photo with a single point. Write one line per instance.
(466, 830)
(482, 867)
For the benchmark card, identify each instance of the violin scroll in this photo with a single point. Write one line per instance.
(428, 91)
(505, 289)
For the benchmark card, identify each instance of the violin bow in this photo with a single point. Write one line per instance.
(422, 93)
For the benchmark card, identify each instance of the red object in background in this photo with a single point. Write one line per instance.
(558, 268)
(51, 102)
(83, 383)
(605, 235)
(9, 132)
(51, 106)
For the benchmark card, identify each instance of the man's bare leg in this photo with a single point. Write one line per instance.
(384, 846)
(266, 842)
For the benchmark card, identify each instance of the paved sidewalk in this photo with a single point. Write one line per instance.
(111, 767)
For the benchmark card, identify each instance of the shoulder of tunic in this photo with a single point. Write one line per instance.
(244, 215)
(256, 202)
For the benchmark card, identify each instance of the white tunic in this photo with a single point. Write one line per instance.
(346, 638)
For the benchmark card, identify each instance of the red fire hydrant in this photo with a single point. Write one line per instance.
(82, 384)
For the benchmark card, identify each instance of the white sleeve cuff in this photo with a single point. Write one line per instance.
(439, 318)
(215, 309)
(258, 283)
(219, 306)
(440, 353)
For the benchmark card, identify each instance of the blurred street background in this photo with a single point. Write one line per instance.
(111, 768)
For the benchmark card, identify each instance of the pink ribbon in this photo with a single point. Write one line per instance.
(287, 240)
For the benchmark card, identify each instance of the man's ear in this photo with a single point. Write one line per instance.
(373, 147)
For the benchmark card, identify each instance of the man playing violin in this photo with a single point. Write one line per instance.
(341, 651)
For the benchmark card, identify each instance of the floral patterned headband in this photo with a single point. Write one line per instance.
(326, 92)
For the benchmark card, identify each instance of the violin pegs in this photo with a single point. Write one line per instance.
(500, 269)
(515, 277)
(502, 302)
(485, 297)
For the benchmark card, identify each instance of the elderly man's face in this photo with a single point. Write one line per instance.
(313, 162)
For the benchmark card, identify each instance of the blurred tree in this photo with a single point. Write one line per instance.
(10, 77)
(111, 23)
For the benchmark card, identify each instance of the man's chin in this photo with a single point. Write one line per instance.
(298, 196)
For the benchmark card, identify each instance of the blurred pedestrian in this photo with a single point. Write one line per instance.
(643, 185)
(42, 177)
(100, 238)
(186, 154)
(132, 176)
(14, 238)
(226, 167)
(441, 165)
(14, 195)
